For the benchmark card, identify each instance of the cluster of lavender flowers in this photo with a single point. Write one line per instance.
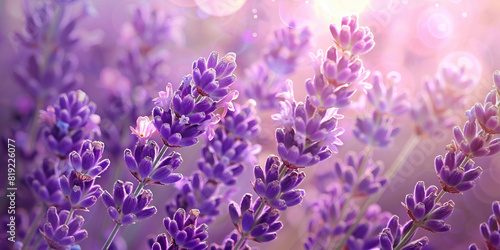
(71, 173)
(456, 172)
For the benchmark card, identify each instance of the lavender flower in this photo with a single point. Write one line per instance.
(391, 236)
(386, 100)
(69, 122)
(370, 181)
(125, 207)
(287, 45)
(183, 231)
(357, 40)
(153, 26)
(366, 233)
(213, 77)
(263, 86)
(86, 163)
(243, 122)
(277, 192)
(490, 230)
(80, 193)
(140, 164)
(230, 242)
(253, 223)
(474, 142)
(376, 130)
(60, 235)
(186, 118)
(45, 183)
(199, 193)
(160, 243)
(456, 174)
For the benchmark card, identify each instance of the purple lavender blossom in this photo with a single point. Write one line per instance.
(253, 223)
(366, 233)
(370, 181)
(80, 193)
(486, 115)
(45, 183)
(455, 174)
(213, 77)
(386, 99)
(50, 67)
(288, 44)
(336, 75)
(243, 122)
(490, 230)
(125, 207)
(58, 234)
(230, 242)
(160, 243)
(140, 164)
(473, 141)
(197, 193)
(350, 37)
(423, 210)
(184, 231)
(263, 85)
(69, 122)
(86, 162)
(153, 26)
(390, 236)
(186, 118)
(276, 192)
(375, 130)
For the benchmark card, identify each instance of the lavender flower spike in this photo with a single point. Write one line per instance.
(45, 183)
(140, 164)
(60, 235)
(275, 192)
(359, 40)
(453, 176)
(183, 231)
(81, 193)
(391, 236)
(490, 230)
(126, 208)
(70, 121)
(473, 141)
(86, 163)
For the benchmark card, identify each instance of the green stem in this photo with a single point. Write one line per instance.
(111, 237)
(34, 226)
(71, 211)
(391, 172)
(257, 212)
(440, 195)
(407, 237)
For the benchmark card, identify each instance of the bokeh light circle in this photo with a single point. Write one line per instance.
(220, 7)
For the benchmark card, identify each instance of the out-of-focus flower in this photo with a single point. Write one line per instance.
(81, 193)
(75, 122)
(45, 183)
(243, 122)
(140, 164)
(126, 208)
(370, 181)
(261, 227)
(350, 37)
(276, 192)
(376, 130)
(487, 115)
(386, 99)
(61, 235)
(288, 44)
(184, 231)
(455, 175)
(144, 129)
(165, 97)
(230, 242)
(86, 162)
(262, 86)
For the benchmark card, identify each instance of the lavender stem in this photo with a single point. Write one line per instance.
(34, 226)
(111, 237)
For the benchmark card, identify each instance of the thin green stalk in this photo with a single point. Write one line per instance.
(155, 163)
(111, 237)
(34, 226)
(407, 237)
(71, 211)
(243, 237)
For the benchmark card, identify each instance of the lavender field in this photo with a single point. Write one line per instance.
(250, 124)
